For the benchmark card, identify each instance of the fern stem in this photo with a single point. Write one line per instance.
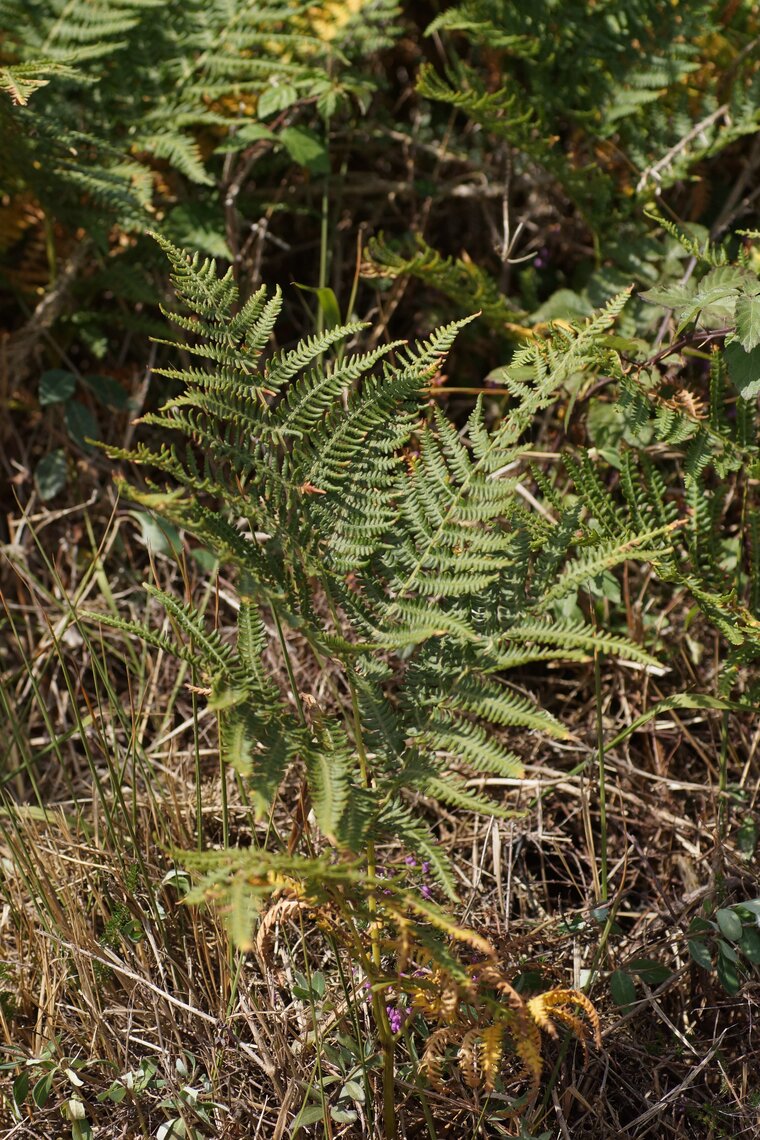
(723, 777)
(197, 765)
(223, 791)
(384, 1032)
(289, 667)
(602, 778)
(324, 232)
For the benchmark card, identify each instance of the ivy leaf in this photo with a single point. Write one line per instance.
(56, 385)
(748, 321)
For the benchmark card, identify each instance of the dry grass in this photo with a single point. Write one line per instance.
(106, 973)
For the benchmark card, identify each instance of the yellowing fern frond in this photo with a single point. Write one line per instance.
(329, 18)
(491, 1054)
(558, 1004)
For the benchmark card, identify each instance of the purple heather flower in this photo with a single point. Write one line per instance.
(410, 861)
(426, 892)
(425, 868)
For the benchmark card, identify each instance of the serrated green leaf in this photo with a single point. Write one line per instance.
(276, 98)
(244, 136)
(748, 321)
(744, 369)
(306, 149)
(670, 296)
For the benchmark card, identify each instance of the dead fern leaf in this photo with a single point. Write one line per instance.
(280, 911)
(434, 1057)
(468, 1058)
(491, 975)
(526, 1038)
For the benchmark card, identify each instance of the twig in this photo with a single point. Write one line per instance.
(676, 1092)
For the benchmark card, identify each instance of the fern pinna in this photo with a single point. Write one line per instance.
(398, 547)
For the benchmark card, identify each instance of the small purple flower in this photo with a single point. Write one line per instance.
(397, 1017)
(425, 868)
(426, 892)
(394, 1018)
(410, 861)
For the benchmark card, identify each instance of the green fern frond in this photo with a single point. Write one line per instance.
(603, 556)
(330, 765)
